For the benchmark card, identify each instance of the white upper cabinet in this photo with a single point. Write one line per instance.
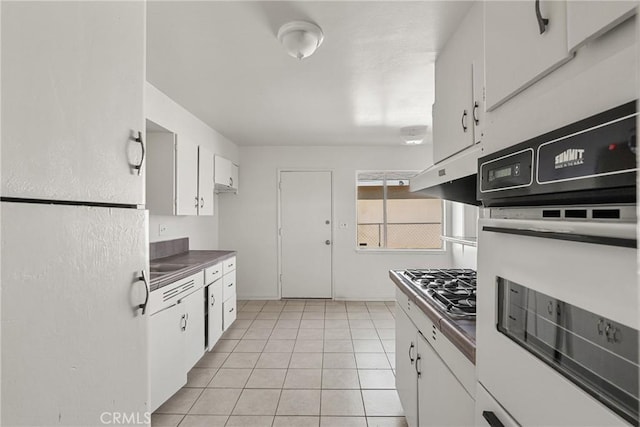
(187, 200)
(205, 181)
(226, 175)
(587, 20)
(517, 54)
(69, 121)
(179, 176)
(459, 106)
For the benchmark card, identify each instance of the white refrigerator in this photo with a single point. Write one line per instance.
(74, 240)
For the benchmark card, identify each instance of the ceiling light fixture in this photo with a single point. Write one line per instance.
(413, 135)
(300, 38)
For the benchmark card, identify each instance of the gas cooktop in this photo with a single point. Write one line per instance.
(451, 290)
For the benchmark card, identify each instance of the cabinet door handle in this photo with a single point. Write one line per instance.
(411, 347)
(140, 141)
(143, 278)
(418, 370)
(229, 285)
(183, 322)
(492, 419)
(542, 22)
(475, 112)
(230, 311)
(230, 182)
(463, 121)
(202, 202)
(213, 300)
(196, 205)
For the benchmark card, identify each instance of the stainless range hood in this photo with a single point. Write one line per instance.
(452, 179)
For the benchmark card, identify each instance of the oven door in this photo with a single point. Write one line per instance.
(557, 320)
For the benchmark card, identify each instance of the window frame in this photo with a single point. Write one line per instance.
(361, 250)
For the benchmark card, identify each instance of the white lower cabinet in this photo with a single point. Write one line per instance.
(406, 375)
(214, 315)
(430, 393)
(442, 400)
(193, 308)
(176, 335)
(229, 292)
(165, 350)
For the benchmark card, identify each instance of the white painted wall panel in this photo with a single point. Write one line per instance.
(248, 220)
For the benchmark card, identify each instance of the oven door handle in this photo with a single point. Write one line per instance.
(491, 419)
(581, 238)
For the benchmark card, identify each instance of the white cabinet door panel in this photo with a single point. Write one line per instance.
(193, 307)
(166, 354)
(186, 177)
(442, 400)
(72, 98)
(73, 337)
(589, 19)
(455, 89)
(205, 181)
(214, 327)
(406, 376)
(516, 54)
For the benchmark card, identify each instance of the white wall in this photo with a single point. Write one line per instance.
(464, 223)
(249, 219)
(162, 110)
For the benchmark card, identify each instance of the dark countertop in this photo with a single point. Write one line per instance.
(195, 261)
(462, 333)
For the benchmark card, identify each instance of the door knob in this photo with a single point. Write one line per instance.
(327, 242)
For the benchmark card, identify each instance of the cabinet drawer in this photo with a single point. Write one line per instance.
(229, 315)
(170, 294)
(213, 273)
(229, 285)
(228, 265)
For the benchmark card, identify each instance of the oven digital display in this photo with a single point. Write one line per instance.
(504, 172)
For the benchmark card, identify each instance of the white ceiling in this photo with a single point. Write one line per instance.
(372, 75)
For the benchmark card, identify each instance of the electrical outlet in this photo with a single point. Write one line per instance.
(162, 229)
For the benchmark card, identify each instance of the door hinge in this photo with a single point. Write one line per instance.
(281, 278)
(280, 231)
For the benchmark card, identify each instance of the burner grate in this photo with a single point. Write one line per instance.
(453, 290)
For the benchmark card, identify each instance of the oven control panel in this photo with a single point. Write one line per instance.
(590, 161)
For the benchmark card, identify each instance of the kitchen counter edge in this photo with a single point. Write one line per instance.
(460, 332)
(198, 260)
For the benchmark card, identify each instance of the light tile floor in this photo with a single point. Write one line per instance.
(295, 363)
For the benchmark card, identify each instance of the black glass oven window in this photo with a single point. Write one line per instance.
(597, 354)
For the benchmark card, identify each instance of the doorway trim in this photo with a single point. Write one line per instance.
(279, 222)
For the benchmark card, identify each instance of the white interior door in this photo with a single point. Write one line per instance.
(74, 343)
(306, 240)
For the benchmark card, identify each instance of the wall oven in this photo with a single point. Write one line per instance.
(557, 296)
